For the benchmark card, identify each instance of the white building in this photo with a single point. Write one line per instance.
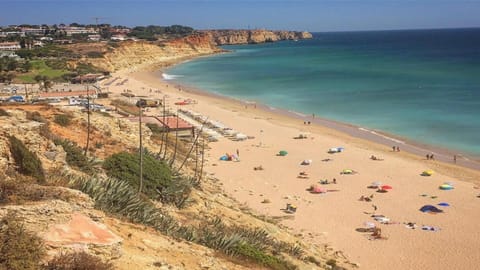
(9, 46)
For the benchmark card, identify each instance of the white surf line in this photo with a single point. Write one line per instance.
(381, 135)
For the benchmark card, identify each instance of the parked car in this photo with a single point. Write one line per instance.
(15, 99)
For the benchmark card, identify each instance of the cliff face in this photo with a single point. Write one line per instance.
(130, 55)
(230, 37)
(136, 54)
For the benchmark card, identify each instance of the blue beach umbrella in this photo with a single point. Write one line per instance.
(444, 204)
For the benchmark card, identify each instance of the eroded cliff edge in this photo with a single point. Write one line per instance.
(232, 37)
(136, 54)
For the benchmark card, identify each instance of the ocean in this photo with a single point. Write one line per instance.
(422, 85)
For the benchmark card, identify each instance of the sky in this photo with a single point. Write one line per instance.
(301, 15)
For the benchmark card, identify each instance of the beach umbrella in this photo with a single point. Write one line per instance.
(430, 208)
(283, 153)
(444, 204)
(445, 187)
(385, 187)
(427, 173)
(319, 190)
(347, 171)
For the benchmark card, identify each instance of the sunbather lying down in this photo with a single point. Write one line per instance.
(258, 168)
(375, 158)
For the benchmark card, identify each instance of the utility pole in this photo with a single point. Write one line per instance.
(88, 122)
(140, 106)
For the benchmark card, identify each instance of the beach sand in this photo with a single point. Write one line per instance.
(332, 218)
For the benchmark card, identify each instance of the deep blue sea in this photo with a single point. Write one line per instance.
(423, 85)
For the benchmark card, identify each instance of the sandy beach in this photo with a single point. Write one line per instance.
(449, 240)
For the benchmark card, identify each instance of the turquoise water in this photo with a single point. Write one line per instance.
(423, 85)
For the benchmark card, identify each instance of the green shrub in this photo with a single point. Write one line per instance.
(4, 113)
(62, 119)
(35, 116)
(75, 156)
(95, 54)
(258, 256)
(126, 167)
(77, 261)
(98, 145)
(331, 262)
(19, 249)
(26, 161)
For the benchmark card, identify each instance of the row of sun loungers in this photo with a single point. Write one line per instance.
(211, 127)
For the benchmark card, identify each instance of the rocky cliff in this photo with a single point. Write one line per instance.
(230, 37)
(134, 54)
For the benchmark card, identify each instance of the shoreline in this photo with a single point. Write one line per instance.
(408, 145)
(329, 220)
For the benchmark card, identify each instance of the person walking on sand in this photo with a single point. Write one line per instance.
(393, 148)
(398, 149)
(454, 158)
(238, 153)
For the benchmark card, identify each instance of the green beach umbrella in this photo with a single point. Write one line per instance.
(283, 153)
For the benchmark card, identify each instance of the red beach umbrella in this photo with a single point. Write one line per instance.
(385, 187)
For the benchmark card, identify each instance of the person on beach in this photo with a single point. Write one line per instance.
(454, 158)
(398, 149)
(431, 157)
(334, 180)
(238, 153)
(428, 157)
(393, 148)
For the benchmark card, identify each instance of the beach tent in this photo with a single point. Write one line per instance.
(430, 208)
(427, 173)
(282, 153)
(445, 187)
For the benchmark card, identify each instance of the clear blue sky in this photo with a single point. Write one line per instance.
(309, 15)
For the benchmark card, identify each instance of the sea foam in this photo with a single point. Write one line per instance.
(167, 77)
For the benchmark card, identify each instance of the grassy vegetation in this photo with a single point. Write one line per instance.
(121, 199)
(126, 167)
(4, 113)
(40, 67)
(27, 162)
(19, 249)
(63, 120)
(75, 156)
(77, 261)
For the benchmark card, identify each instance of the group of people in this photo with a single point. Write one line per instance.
(395, 148)
(430, 157)
(326, 182)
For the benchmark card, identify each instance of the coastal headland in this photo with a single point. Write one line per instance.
(411, 239)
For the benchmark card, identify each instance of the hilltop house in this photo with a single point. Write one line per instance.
(10, 46)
